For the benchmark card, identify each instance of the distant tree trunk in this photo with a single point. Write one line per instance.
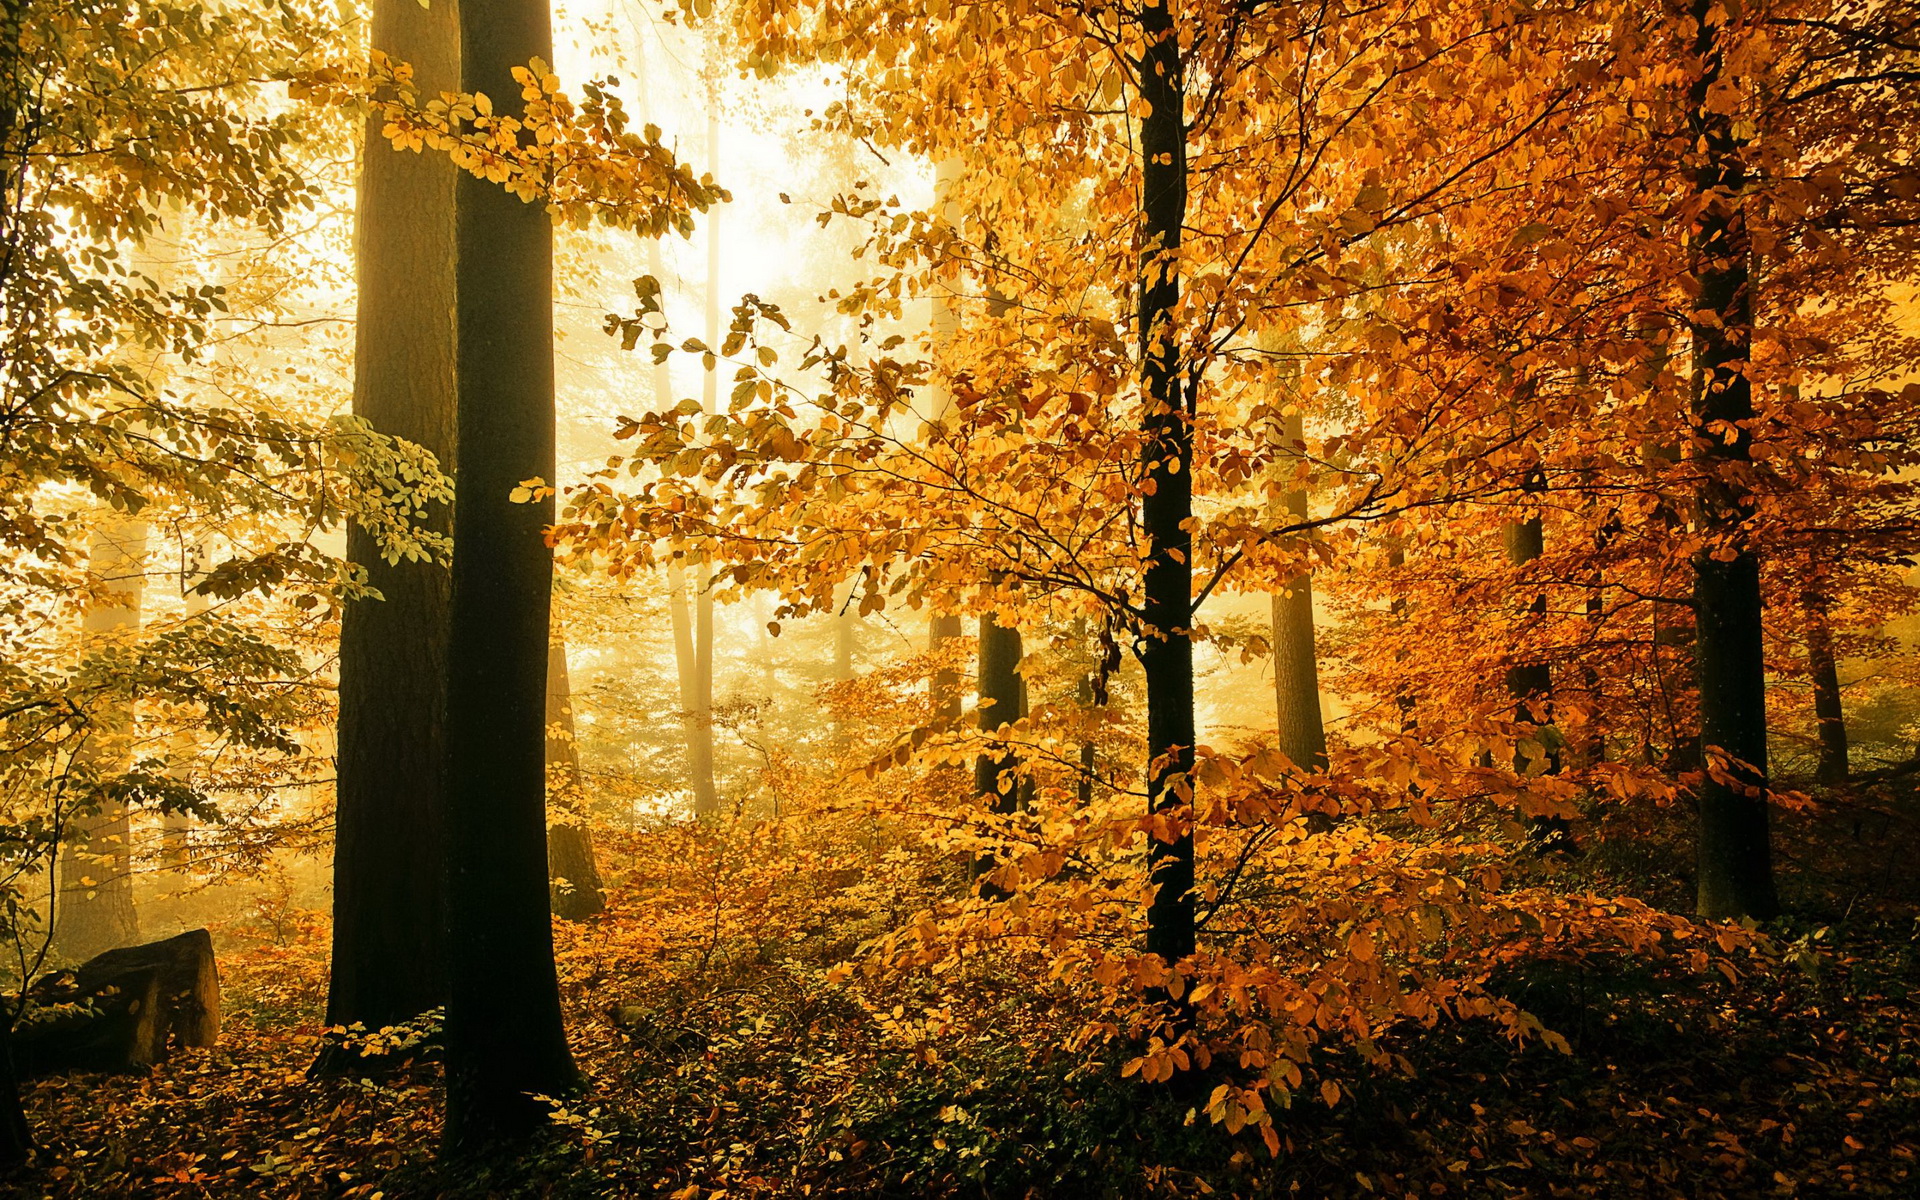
(505, 1036)
(1001, 702)
(1531, 683)
(1296, 667)
(941, 630)
(693, 656)
(176, 828)
(1823, 671)
(95, 912)
(389, 961)
(573, 874)
(1164, 648)
(1735, 851)
(943, 627)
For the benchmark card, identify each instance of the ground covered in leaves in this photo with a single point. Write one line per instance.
(758, 1078)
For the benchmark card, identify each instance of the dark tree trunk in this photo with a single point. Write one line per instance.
(389, 960)
(1823, 671)
(16, 1135)
(573, 872)
(1165, 648)
(1531, 683)
(1735, 853)
(1002, 701)
(505, 1036)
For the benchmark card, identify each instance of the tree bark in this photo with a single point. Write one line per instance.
(1735, 851)
(389, 961)
(505, 1036)
(95, 912)
(1823, 671)
(1165, 648)
(573, 874)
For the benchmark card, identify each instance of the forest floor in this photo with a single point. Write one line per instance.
(1798, 1079)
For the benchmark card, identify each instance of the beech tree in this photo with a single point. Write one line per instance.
(389, 912)
(505, 1041)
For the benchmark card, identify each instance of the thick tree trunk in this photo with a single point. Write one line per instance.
(573, 875)
(389, 960)
(506, 1040)
(95, 910)
(1823, 671)
(1165, 648)
(1735, 851)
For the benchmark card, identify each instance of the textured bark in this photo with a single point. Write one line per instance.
(1823, 671)
(95, 910)
(573, 874)
(505, 1036)
(1735, 852)
(1165, 648)
(389, 960)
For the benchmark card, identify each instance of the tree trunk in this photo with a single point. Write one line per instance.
(1823, 671)
(1296, 668)
(693, 655)
(1735, 853)
(506, 1039)
(16, 1134)
(999, 704)
(1165, 648)
(95, 911)
(573, 876)
(944, 627)
(389, 960)
(176, 828)
(1531, 683)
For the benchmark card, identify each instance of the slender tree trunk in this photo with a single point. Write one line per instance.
(1823, 671)
(1735, 851)
(1002, 700)
(1531, 683)
(1165, 648)
(1296, 667)
(176, 828)
(506, 1040)
(95, 912)
(389, 961)
(573, 873)
(693, 654)
(943, 627)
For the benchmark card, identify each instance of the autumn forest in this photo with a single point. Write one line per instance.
(722, 599)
